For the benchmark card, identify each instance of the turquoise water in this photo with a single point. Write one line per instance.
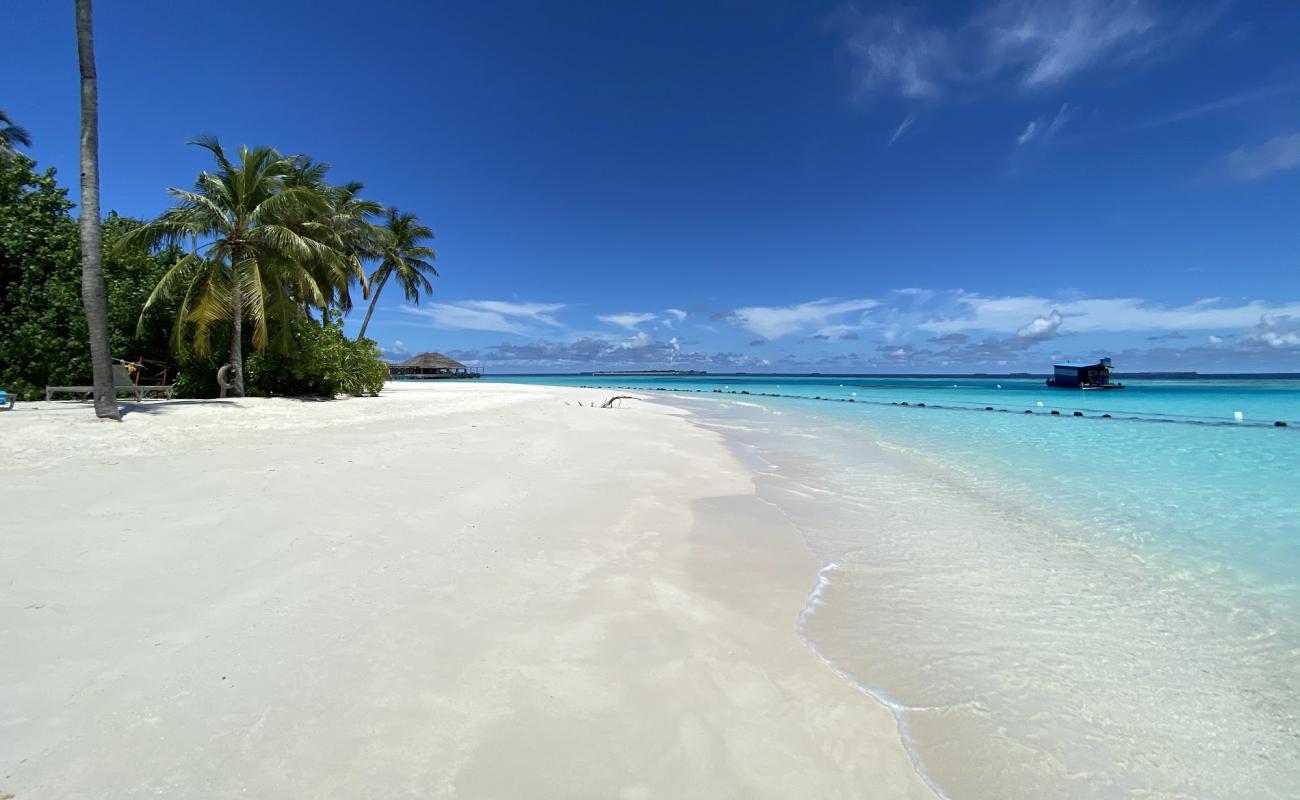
(1054, 606)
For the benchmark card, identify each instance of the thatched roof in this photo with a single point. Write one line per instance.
(432, 361)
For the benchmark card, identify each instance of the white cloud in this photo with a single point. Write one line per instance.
(1041, 328)
(675, 313)
(773, 322)
(1049, 42)
(1278, 332)
(970, 312)
(1037, 44)
(902, 128)
(1279, 154)
(1043, 129)
(398, 350)
(1031, 130)
(502, 316)
(627, 319)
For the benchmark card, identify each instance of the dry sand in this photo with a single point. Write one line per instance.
(457, 590)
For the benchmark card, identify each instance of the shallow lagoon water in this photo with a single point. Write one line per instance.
(1054, 606)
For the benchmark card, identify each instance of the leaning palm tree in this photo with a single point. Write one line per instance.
(401, 254)
(94, 297)
(252, 240)
(11, 136)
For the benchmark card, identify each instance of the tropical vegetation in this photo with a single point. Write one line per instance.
(297, 246)
(403, 255)
(11, 135)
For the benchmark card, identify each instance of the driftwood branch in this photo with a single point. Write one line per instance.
(611, 401)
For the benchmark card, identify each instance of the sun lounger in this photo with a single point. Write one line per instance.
(7, 400)
(122, 384)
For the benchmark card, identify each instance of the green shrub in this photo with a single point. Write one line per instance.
(320, 361)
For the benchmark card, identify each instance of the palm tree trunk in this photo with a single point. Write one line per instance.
(236, 329)
(93, 295)
(365, 323)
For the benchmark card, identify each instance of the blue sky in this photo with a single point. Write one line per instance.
(743, 185)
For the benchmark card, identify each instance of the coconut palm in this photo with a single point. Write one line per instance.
(11, 136)
(348, 218)
(401, 254)
(252, 225)
(93, 295)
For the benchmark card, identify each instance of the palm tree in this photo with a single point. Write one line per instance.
(348, 218)
(11, 136)
(249, 225)
(93, 294)
(401, 254)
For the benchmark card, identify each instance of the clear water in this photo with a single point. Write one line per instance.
(1054, 606)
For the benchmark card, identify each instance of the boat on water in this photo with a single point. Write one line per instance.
(1086, 375)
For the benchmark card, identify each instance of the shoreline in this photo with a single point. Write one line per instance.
(1011, 638)
(525, 594)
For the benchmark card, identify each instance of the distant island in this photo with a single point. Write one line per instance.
(648, 372)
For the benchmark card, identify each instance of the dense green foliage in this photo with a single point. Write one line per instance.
(43, 336)
(321, 361)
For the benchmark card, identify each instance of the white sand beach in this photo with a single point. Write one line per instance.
(457, 590)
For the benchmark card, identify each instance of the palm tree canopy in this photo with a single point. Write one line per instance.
(11, 136)
(403, 255)
(248, 221)
(399, 247)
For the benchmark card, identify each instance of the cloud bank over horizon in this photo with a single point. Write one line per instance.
(908, 329)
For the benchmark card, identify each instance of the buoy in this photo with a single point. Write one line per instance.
(1027, 411)
(999, 386)
(1238, 416)
(904, 402)
(988, 408)
(1105, 416)
(1056, 413)
(1279, 424)
(1039, 404)
(1078, 413)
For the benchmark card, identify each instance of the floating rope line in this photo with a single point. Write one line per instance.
(1213, 423)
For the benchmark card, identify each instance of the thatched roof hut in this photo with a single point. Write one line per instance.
(431, 365)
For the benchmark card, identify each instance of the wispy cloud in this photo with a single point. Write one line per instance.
(1279, 154)
(641, 350)
(902, 128)
(773, 322)
(1217, 105)
(1044, 129)
(973, 312)
(627, 319)
(502, 316)
(1035, 44)
(1047, 43)
(675, 313)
